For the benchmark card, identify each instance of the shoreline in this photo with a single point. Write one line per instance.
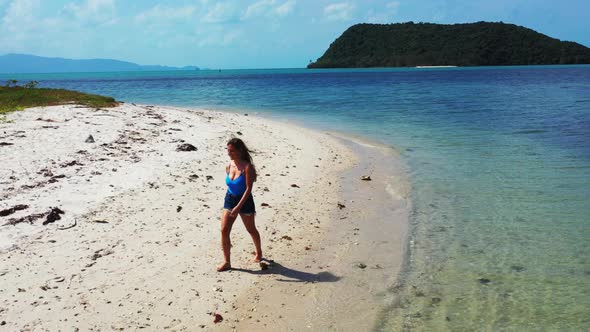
(358, 260)
(146, 241)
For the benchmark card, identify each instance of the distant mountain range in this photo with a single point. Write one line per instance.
(25, 63)
(426, 44)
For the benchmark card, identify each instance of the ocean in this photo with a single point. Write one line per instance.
(498, 159)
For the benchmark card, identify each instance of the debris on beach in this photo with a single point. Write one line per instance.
(218, 318)
(5, 143)
(101, 252)
(341, 206)
(209, 177)
(366, 178)
(53, 215)
(13, 209)
(286, 237)
(45, 172)
(239, 132)
(54, 178)
(90, 139)
(71, 163)
(294, 186)
(361, 265)
(28, 219)
(186, 147)
(193, 177)
(264, 205)
(178, 208)
(46, 120)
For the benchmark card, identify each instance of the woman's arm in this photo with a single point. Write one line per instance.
(249, 184)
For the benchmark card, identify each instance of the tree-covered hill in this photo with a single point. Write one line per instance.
(426, 44)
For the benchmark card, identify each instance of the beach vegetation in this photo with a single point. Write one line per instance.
(4, 119)
(11, 83)
(426, 44)
(14, 97)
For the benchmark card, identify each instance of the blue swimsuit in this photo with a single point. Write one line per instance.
(235, 189)
(236, 186)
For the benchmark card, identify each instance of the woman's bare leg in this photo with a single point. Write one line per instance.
(251, 228)
(227, 222)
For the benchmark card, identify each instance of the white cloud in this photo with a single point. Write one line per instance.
(269, 8)
(383, 16)
(97, 11)
(285, 8)
(339, 11)
(19, 12)
(19, 22)
(24, 30)
(258, 8)
(221, 13)
(394, 5)
(231, 36)
(161, 13)
(220, 38)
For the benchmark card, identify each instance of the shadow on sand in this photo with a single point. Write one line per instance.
(291, 275)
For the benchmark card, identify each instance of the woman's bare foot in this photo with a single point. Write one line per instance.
(224, 267)
(257, 258)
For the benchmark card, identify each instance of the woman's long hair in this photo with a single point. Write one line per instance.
(239, 145)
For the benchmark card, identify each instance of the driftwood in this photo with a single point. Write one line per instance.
(68, 227)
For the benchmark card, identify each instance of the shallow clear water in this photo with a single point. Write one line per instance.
(499, 160)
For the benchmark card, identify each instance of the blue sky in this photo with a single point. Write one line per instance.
(247, 34)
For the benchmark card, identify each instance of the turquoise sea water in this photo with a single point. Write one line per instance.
(499, 161)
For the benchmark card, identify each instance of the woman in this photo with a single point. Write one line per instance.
(240, 178)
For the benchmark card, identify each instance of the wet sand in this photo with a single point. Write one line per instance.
(341, 283)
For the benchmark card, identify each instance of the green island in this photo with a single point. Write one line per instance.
(426, 44)
(14, 97)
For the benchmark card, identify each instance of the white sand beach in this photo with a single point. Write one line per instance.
(138, 242)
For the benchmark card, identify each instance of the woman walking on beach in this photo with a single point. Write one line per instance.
(240, 178)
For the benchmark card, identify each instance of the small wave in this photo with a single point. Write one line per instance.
(530, 131)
